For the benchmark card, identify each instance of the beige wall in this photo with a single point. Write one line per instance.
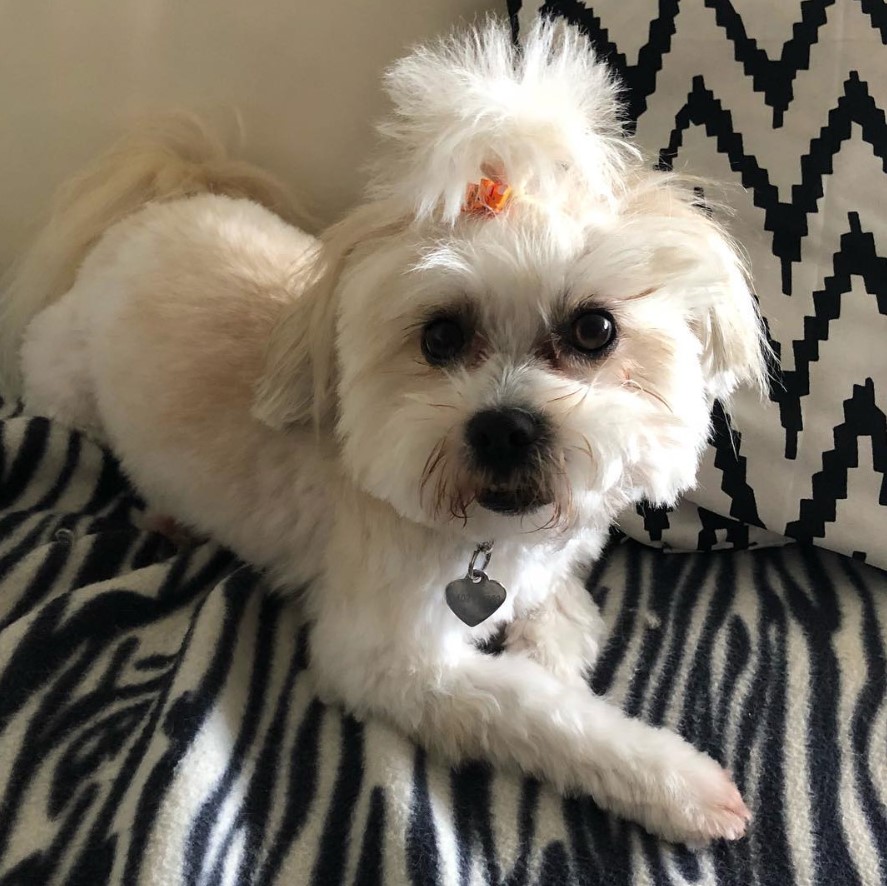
(303, 75)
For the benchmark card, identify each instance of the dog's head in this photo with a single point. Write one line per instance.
(522, 361)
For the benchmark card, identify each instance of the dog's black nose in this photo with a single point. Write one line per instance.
(503, 440)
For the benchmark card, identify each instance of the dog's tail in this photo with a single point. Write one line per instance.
(169, 157)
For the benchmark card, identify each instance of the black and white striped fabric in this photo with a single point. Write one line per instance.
(784, 102)
(158, 723)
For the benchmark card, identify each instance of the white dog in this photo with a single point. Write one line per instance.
(445, 400)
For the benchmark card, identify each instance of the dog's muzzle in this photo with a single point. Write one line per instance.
(505, 445)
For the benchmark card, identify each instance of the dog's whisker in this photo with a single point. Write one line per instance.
(440, 488)
(646, 293)
(566, 396)
(576, 406)
(435, 463)
(431, 465)
(418, 398)
(459, 506)
(633, 384)
(429, 462)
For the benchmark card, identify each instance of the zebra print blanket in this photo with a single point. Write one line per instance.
(158, 724)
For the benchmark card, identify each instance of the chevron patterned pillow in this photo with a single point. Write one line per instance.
(784, 104)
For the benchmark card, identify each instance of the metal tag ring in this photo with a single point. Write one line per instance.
(478, 574)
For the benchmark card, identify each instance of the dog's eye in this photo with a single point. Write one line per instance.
(443, 339)
(592, 331)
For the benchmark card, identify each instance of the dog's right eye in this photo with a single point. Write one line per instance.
(443, 339)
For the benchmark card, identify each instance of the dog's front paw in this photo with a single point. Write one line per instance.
(697, 803)
(721, 810)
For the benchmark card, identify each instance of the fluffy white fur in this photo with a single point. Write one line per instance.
(269, 390)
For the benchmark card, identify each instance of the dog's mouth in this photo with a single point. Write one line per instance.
(511, 500)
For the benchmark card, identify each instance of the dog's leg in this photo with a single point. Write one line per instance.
(563, 634)
(55, 369)
(510, 710)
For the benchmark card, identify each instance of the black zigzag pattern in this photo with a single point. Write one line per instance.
(727, 443)
(857, 257)
(771, 77)
(877, 11)
(862, 419)
(774, 77)
(655, 519)
(788, 222)
(769, 479)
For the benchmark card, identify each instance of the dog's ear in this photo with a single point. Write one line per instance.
(297, 384)
(734, 346)
(298, 381)
(725, 312)
(695, 258)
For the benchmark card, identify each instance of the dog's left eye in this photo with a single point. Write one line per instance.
(592, 331)
(443, 339)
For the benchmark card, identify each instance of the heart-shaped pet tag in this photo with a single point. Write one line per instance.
(475, 601)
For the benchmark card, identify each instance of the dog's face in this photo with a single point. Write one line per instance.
(529, 369)
(510, 374)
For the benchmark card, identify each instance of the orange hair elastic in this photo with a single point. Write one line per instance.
(486, 196)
